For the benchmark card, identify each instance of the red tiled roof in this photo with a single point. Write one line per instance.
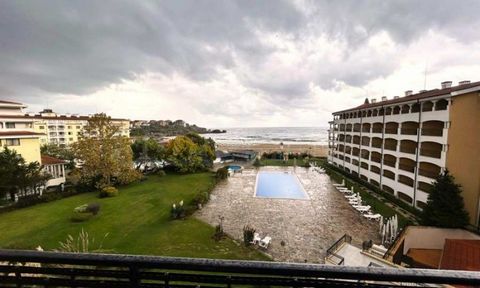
(417, 96)
(49, 160)
(19, 133)
(10, 102)
(460, 254)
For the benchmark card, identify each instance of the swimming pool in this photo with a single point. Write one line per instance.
(279, 185)
(234, 167)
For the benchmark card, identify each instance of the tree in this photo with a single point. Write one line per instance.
(19, 177)
(206, 148)
(106, 158)
(445, 207)
(56, 151)
(184, 154)
(149, 149)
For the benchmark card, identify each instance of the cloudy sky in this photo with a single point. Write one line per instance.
(230, 63)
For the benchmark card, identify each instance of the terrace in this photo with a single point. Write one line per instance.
(301, 230)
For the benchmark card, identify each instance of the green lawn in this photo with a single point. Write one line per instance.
(137, 222)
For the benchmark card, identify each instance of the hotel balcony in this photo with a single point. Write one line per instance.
(53, 269)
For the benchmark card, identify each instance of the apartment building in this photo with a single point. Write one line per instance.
(402, 144)
(18, 133)
(53, 128)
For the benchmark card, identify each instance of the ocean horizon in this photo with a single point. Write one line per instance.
(272, 135)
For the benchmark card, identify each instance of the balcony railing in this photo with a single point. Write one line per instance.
(407, 149)
(331, 252)
(391, 130)
(432, 132)
(407, 168)
(428, 173)
(50, 269)
(431, 153)
(408, 131)
(389, 163)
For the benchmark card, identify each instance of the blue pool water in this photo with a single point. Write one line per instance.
(234, 167)
(279, 185)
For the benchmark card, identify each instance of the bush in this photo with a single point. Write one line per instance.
(93, 208)
(248, 234)
(108, 191)
(201, 198)
(80, 217)
(178, 211)
(161, 173)
(257, 162)
(219, 234)
(222, 173)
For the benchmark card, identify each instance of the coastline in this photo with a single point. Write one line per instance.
(315, 150)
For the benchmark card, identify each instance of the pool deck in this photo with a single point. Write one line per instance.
(306, 227)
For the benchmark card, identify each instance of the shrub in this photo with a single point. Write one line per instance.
(80, 217)
(257, 162)
(93, 208)
(178, 211)
(161, 173)
(108, 191)
(201, 198)
(222, 173)
(248, 234)
(219, 234)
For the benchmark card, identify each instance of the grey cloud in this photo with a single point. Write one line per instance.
(78, 47)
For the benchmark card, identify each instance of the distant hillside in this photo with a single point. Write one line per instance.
(167, 128)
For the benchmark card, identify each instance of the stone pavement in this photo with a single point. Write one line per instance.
(306, 227)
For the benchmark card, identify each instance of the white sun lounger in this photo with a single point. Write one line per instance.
(256, 238)
(264, 242)
(372, 216)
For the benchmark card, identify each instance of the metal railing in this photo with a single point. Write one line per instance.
(51, 269)
(331, 252)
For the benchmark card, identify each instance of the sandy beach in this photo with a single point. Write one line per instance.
(315, 150)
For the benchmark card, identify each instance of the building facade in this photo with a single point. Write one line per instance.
(53, 128)
(402, 144)
(17, 133)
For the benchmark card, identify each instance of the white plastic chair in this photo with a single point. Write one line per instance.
(264, 242)
(256, 238)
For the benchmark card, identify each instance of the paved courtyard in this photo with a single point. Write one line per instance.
(306, 227)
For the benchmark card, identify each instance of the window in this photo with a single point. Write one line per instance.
(41, 127)
(12, 142)
(78, 127)
(69, 133)
(71, 139)
(10, 125)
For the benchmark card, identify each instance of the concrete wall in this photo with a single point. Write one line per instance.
(463, 155)
(29, 148)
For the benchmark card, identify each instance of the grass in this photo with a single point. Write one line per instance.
(137, 222)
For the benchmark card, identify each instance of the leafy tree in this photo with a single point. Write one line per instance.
(106, 157)
(445, 207)
(206, 148)
(19, 177)
(149, 149)
(57, 151)
(184, 154)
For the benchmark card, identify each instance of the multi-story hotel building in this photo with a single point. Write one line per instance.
(55, 128)
(402, 144)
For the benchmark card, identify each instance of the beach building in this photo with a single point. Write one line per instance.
(401, 145)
